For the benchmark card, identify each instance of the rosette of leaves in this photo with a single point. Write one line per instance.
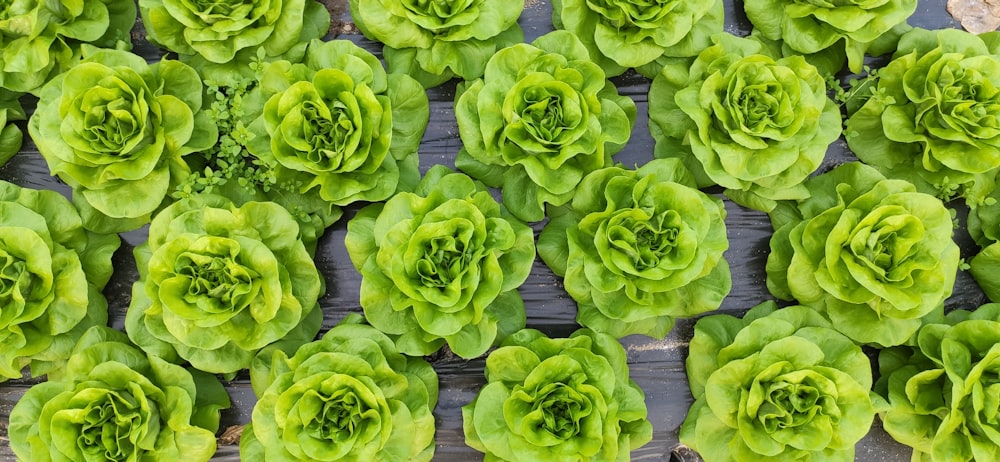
(933, 116)
(10, 135)
(941, 391)
(557, 399)
(52, 272)
(559, 118)
(845, 29)
(337, 126)
(40, 39)
(873, 254)
(228, 32)
(218, 282)
(349, 396)
(746, 118)
(114, 402)
(442, 265)
(116, 129)
(638, 248)
(435, 41)
(778, 384)
(623, 34)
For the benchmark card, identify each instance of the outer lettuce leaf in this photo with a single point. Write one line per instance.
(53, 271)
(851, 27)
(746, 118)
(435, 41)
(559, 119)
(222, 32)
(621, 34)
(349, 396)
(10, 135)
(639, 248)
(41, 39)
(557, 399)
(776, 385)
(933, 118)
(941, 392)
(123, 164)
(872, 254)
(116, 403)
(442, 265)
(217, 283)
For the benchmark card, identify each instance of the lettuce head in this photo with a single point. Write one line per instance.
(116, 130)
(624, 34)
(778, 384)
(41, 39)
(219, 282)
(846, 29)
(941, 391)
(746, 118)
(434, 41)
(52, 274)
(873, 254)
(639, 248)
(442, 265)
(349, 396)
(934, 118)
(543, 116)
(557, 399)
(115, 402)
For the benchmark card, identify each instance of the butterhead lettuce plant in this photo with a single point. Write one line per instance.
(227, 31)
(848, 28)
(114, 402)
(638, 248)
(442, 265)
(557, 399)
(559, 118)
(746, 118)
(873, 254)
(778, 384)
(218, 282)
(434, 41)
(349, 396)
(52, 273)
(933, 117)
(41, 39)
(941, 391)
(622, 34)
(116, 129)
(337, 126)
